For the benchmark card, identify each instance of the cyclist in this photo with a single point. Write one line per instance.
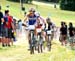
(42, 23)
(31, 20)
(71, 34)
(42, 20)
(49, 26)
(49, 32)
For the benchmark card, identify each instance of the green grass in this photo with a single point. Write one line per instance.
(20, 52)
(57, 15)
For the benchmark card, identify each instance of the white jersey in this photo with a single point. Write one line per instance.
(42, 21)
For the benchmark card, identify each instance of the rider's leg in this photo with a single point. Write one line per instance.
(65, 41)
(46, 37)
(62, 39)
(72, 43)
(35, 33)
(52, 35)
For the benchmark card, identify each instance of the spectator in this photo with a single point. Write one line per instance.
(20, 25)
(71, 34)
(2, 39)
(63, 33)
(9, 26)
(15, 27)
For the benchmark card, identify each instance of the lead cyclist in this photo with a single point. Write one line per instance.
(31, 19)
(50, 26)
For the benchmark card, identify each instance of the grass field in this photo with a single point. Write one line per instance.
(57, 15)
(20, 52)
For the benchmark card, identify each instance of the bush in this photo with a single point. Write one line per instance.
(67, 5)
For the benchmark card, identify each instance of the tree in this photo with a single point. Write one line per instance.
(55, 1)
(67, 5)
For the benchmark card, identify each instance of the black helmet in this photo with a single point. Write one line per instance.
(48, 20)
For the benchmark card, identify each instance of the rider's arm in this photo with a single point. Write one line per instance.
(25, 20)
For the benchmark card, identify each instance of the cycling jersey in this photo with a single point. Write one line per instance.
(42, 22)
(50, 25)
(6, 20)
(39, 26)
(32, 20)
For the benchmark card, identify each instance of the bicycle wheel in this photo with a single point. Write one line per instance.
(32, 43)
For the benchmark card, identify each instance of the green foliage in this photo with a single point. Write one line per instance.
(14, 0)
(28, 1)
(67, 5)
(55, 1)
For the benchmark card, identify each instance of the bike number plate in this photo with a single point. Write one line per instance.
(38, 30)
(31, 27)
(49, 32)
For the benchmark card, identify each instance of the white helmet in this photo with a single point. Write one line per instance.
(37, 14)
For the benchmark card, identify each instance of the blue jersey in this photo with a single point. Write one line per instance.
(32, 20)
(5, 20)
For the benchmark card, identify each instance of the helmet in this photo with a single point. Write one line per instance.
(48, 20)
(31, 10)
(37, 14)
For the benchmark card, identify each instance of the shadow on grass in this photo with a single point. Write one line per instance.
(0, 48)
(8, 48)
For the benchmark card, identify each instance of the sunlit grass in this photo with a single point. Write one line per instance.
(20, 52)
(56, 15)
(58, 53)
